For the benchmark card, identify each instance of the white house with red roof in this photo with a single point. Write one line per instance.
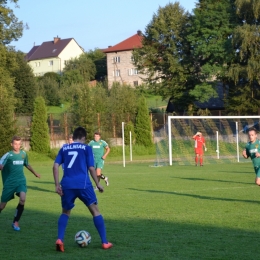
(120, 67)
(52, 56)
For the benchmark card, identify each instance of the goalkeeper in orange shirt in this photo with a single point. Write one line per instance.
(199, 145)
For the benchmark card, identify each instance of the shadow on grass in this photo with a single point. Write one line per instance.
(212, 180)
(196, 196)
(39, 189)
(133, 238)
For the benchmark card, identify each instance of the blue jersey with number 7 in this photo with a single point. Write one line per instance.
(76, 159)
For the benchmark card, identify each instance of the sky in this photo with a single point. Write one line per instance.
(93, 24)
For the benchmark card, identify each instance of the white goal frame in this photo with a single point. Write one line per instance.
(201, 117)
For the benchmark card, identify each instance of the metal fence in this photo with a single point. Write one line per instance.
(62, 125)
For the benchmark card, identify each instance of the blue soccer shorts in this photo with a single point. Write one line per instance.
(87, 196)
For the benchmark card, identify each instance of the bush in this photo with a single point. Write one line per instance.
(53, 153)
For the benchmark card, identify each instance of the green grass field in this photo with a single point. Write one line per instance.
(171, 212)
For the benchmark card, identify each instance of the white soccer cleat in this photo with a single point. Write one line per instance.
(106, 181)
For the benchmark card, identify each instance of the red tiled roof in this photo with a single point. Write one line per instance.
(130, 43)
(47, 49)
(33, 49)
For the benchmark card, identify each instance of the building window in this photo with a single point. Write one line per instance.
(116, 73)
(116, 59)
(50, 62)
(135, 83)
(132, 72)
(37, 64)
(132, 58)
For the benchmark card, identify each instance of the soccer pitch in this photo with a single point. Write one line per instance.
(171, 212)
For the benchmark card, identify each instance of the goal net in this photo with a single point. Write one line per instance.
(225, 137)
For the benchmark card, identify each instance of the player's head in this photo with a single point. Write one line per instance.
(252, 134)
(80, 133)
(16, 143)
(199, 133)
(97, 136)
(70, 139)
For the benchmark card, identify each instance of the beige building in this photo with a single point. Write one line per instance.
(52, 56)
(120, 66)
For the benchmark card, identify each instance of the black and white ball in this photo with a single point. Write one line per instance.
(83, 238)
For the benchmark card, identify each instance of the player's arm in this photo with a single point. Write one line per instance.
(3, 161)
(55, 170)
(29, 167)
(106, 153)
(244, 153)
(93, 174)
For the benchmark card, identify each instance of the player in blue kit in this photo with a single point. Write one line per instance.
(78, 159)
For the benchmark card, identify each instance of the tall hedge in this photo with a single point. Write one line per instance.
(143, 130)
(40, 140)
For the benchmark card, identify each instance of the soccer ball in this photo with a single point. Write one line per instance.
(82, 238)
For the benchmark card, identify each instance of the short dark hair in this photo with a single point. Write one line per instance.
(252, 129)
(97, 133)
(70, 136)
(79, 133)
(16, 138)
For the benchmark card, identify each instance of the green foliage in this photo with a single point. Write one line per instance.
(81, 68)
(244, 71)
(83, 108)
(48, 87)
(40, 140)
(164, 45)
(7, 122)
(100, 60)
(143, 130)
(10, 28)
(129, 127)
(24, 84)
(122, 103)
(203, 92)
(53, 153)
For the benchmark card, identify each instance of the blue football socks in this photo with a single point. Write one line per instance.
(100, 226)
(62, 224)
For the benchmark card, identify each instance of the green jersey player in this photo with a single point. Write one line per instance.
(252, 150)
(100, 150)
(14, 182)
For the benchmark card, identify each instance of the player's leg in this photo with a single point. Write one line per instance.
(89, 198)
(196, 158)
(257, 178)
(2, 206)
(201, 159)
(67, 201)
(100, 225)
(19, 210)
(99, 168)
(103, 177)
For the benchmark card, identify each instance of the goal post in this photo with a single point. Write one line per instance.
(225, 135)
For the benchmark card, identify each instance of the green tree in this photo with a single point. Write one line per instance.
(122, 104)
(24, 84)
(83, 108)
(83, 65)
(143, 130)
(7, 122)
(48, 88)
(244, 72)
(100, 60)
(10, 28)
(164, 47)
(129, 127)
(40, 139)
